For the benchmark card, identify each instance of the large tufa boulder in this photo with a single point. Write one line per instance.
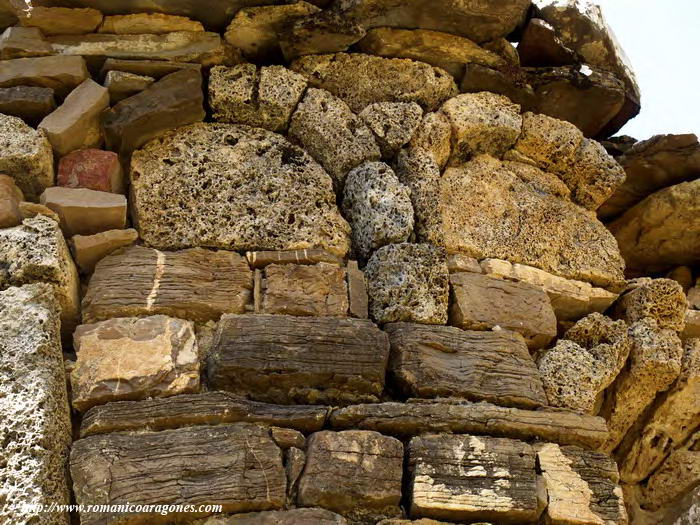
(251, 189)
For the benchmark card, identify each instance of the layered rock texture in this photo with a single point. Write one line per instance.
(340, 262)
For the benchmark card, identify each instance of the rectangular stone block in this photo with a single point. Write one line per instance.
(61, 73)
(31, 104)
(443, 361)
(86, 212)
(195, 284)
(311, 256)
(284, 359)
(237, 466)
(88, 250)
(470, 478)
(481, 303)
(35, 427)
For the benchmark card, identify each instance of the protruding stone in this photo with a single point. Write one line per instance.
(151, 68)
(76, 123)
(378, 208)
(31, 104)
(361, 80)
(23, 42)
(175, 100)
(393, 124)
(195, 284)
(35, 426)
(408, 282)
(481, 302)
(316, 290)
(121, 84)
(540, 46)
(441, 361)
(88, 250)
(86, 212)
(262, 259)
(332, 134)
(10, 197)
(147, 23)
(61, 20)
(281, 201)
(472, 478)
(92, 169)
(584, 363)
(60, 73)
(35, 251)
(259, 97)
(356, 473)
(131, 358)
(660, 299)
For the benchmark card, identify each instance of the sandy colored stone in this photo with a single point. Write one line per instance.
(31, 104)
(584, 363)
(662, 231)
(357, 291)
(121, 84)
(540, 46)
(408, 282)
(88, 250)
(10, 197)
(261, 259)
(378, 208)
(676, 477)
(393, 124)
(149, 23)
(434, 137)
(132, 358)
(194, 284)
(60, 73)
(480, 302)
(23, 42)
(262, 97)
(25, 156)
(151, 68)
(443, 50)
(316, 290)
(92, 169)
(516, 212)
(86, 212)
(692, 325)
(30, 210)
(75, 124)
(360, 80)
(36, 425)
(62, 20)
(355, 473)
(256, 30)
(35, 251)
(338, 139)
(660, 299)
(291, 196)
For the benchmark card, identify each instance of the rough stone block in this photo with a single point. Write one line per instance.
(92, 169)
(393, 124)
(131, 358)
(237, 466)
(317, 290)
(61, 20)
(442, 361)
(408, 282)
(148, 23)
(676, 477)
(481, 302)
(299, 359)
(470, 478)
(31, 104)
(60, 73)
(355, 473)
(36, 426)
(660, 299)
(121, 84)
(88, 250)
(195, 284)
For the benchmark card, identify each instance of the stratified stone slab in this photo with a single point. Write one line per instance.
(299, 359)
(262, 259)
(195, 284)
(35, 427)
(60, 73)
(208, 408)
(470, 478)
(442, 361)
(237, 466)
(280, 199)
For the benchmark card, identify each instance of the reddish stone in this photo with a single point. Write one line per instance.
(93, 169)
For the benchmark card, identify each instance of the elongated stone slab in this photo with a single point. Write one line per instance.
(61, 73)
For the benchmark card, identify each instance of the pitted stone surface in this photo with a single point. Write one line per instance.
(250, 189)
(660, 299)
(393, 124)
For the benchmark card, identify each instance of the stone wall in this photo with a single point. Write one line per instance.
(352, 261)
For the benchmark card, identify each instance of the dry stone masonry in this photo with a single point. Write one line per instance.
(341, 262)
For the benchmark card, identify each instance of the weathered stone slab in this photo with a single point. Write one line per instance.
(463, 417)
(93, 169)
(481, 302)
(470, 478)
(60, 73)
(151, 68)
(208, 408)
(175, 100)
(355, 473)
(147, 23)
(360, 80)
(36, 426)
(195, 284)
(442, 361)
(88, 250)
(237, 466)
(299, 359)
(121, 84)
(61, 20)
(282, 201)
(86, 212)
(35, 251)
(26, 156)
(23, 42)
(31, 104)
(262, 259)
(316, 290)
